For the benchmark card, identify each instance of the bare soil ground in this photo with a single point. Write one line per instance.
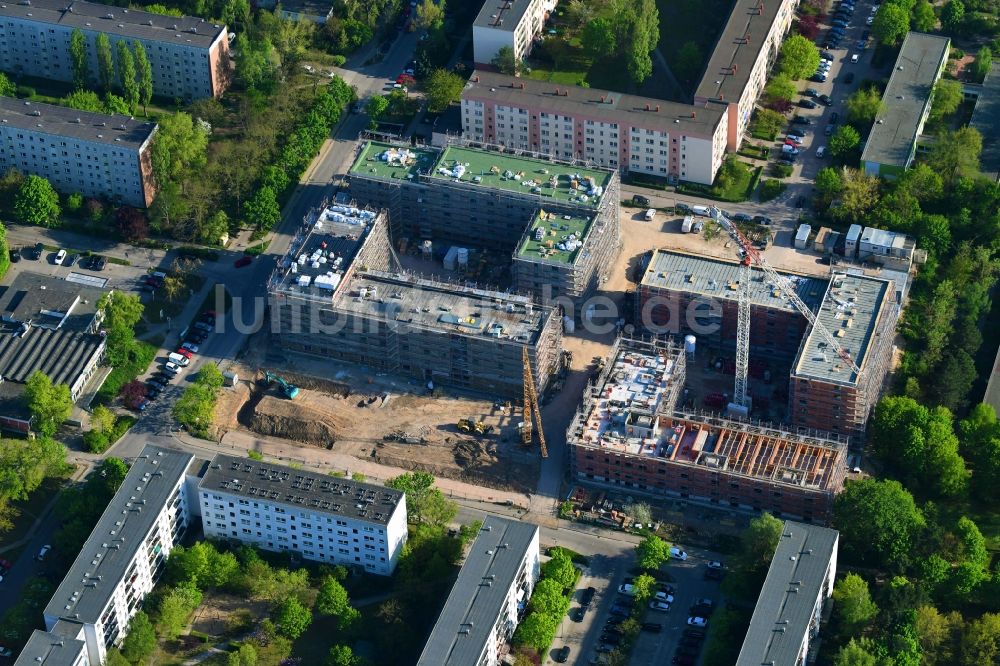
(380, 420)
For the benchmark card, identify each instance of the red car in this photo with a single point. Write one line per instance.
(186, 353)
(405, 80)
(243, 261)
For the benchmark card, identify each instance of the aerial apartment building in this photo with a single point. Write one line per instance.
(622, 132)
(189, 56)
(737, 69)
(892, 144)
(319, 517)
(95, 154)
(488, 597)
(121, 560)
(559, 220)
(786, 621)
(627, 434)
(512, 23)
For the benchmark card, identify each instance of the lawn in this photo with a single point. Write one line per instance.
(735, 182)
(142, 355)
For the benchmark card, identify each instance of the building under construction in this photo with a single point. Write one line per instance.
(626, 434)
(339, 294)
(559, 221)
(687, 294)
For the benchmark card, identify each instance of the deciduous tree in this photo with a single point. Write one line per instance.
(854, 654)
(891, 24)
(262, 210)
(952, 16)
(424, 502)
(505, 61)
(50, 404)
(560, 568)
(7, 87)
(37, 202)
(652, 552)
(955, 154)
(799, 57)
(144, 76)
(947, 96)
(688, 61)
(780, 87)
(863, 105)
(105, 62)
(126, 76)
(140, 641)
(924, 18)
(854, 603)
(342, 655)
(878, 521)
(334, 600)
(430, 15)
(78, 56)
(844, 141)
(292, 618)
(984, 62)
(442, 88)
(598, 37)
(132, 223)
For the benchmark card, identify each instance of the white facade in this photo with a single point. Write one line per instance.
(317, 535)
(95, 167)
(496, 27)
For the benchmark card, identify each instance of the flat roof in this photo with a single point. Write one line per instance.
(905, 99)
(555, 238)
(851, 309)
(795, 580)
(385, 160)
(467, 620)
(62, 121)
(306, 490)
(119, 535)
(501, 14)
(448, 308)
(718, 278)
(62, 355)
(593, 103)
(43, 300)
(739, 47)
(133, 23)
(50, 649)
(986, 119)
(316, 261)
(558, 182)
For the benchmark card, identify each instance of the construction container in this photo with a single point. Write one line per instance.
(230, 378)
(819, 243)
(802, 237)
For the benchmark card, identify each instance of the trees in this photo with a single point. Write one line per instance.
(425, 504)
(937, 633)
(116, 104)
(505, 62)
(981, 641)
(878, 522)
(854, 654)
(258, 64)
(854, 603)
(132, 223)
(179, 148)
(643, 35)
(829, 184)
(24, 464)
(760, 539)
(196, 406)
(560, 569)
(984, 61)
(144, 76)
(946, 98)
(4, 251)
(262, 210)
(292, 618)
(126, 76)
(859, 195)
(924, 18)
(84, 100)
(430, 15)
(536, 631)
(333, 600)
(7, 87)
(342, 655)
(598, 37)
(37, 202)
(122, 312)
(442, 87)
(799, 57)
(175, 608)
(955, 154)
(863, 106)
(844, 141)
(78, 56)
(652, 552)
(141, 639)
(952, 16)
(688, 61)
(49, 404)
(767, 122)
(105, 62)
(780, 88)
(891, 24)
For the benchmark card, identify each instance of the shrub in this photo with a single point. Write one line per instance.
(769, 189)
(25, 92)
(338, 60)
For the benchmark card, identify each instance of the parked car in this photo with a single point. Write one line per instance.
(563, 654)
(677, 554)
(698, 633)
(626, 589)
(861, 44)
(740, 217)
(869, 20)
(652, 627)
(15, 255)
(801, 120)
(36, 252)
(60, 255)
(190, 346)
(43, 553)
(828, 130)
(817, 78)
(245, 260)
(5, 652)
(664, 597)
(697, 621)
(640, 200)
(825, 100)
(821, 152)
(714, 564)
(586, 598)
(186, 353)
(849, 77)
(172, 367)
(683, 660)
(659, 606)
(834, 117)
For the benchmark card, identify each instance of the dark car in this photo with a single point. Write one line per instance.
(826, 54)
(36, 252)
(681, 207)
(613, 621)
(69, 261)
(690, 642)
(801, 120)
(621, 611)
(715, 574)
(866, 34)
(799, 203)
(563, 654)
(825, 100)
(834, 117)
(611, 639)
(577, 614)
(807, 104)
(701, 610)
(653, 627)
(818, 78)
(587, 597)
(697, 633)
(761, 219)
(243, 261)
(15, 255)
(688, 650)
(640, 200)
(740, 217)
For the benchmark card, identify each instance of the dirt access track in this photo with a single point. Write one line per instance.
(377, 421)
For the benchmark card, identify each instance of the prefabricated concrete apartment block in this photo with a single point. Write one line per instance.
(491, 199)
(336, 295)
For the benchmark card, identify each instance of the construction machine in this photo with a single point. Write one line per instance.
(290, 390)
(472, 426)
(531, 409)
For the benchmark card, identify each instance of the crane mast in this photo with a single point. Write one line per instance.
(531, 409)
(749, 256)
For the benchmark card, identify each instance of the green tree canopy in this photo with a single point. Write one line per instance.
(7, 87)
(688, 61)
(424, 502)
(262, 210)
(342, 655)
(946, 98)
(37, 202)
(598, 37)
(141, 638)
(78, 56)
(854, 604)
(105, 62)
(879, 523)
(854, 654)
(505, 61)
(780, 88)
(863, 105)
(891, 24)
(179, 148)
(799, 57)
(984, 62)
(50, 404)
(844, 141)
(84, 100)
(652, 552)
(333, 600)
(144, 76)
(292, 618)
(952, 16)
(536, 631)
(955, 155)
(560, 568)
(924, 18)
(430, 15)
(176, 607)
(126, 76)
(443, 88)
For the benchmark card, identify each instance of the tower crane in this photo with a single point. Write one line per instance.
(749, 256)
(531, 407)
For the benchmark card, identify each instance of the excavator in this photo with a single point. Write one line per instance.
(291, 391)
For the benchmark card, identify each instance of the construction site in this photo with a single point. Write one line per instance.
(555, 224)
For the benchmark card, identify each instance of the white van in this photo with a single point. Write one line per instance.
(179, 359)
(650, 214)
(60, 256)
(687, 224)
(700, 210)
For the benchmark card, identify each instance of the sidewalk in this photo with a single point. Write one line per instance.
(238, 442)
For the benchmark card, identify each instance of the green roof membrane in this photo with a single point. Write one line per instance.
(554, 237)
(383, 160)
(562, 183)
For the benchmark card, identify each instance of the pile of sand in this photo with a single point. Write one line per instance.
(304, 419)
